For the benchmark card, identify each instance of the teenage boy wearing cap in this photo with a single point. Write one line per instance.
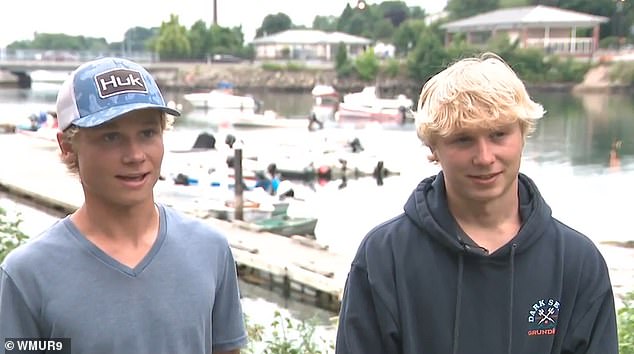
(122, 274)
(476, 263)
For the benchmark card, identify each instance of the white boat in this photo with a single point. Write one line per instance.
(267, 119)
(325, 105)
(219, 99)
(49, 76)
(222, 97)
(366, 106)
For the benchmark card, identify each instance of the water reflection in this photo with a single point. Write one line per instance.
(583, 130)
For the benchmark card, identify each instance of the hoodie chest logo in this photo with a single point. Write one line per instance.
(542, 318)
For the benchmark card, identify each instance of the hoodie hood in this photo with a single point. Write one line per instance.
(428, 209)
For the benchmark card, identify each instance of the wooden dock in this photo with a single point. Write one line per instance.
(7, 127)
(299, 268)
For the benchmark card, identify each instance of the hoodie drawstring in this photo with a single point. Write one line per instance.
(456, 329)
(511, 287)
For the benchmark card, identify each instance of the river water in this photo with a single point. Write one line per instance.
(588, 186)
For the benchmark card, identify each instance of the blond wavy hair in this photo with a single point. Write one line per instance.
(479, 92)
(69, 135)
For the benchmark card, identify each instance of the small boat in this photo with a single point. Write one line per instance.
(325, 105)
(222, 97)
(284, 225)
(268, 119)
(365, 106)
(207, 202)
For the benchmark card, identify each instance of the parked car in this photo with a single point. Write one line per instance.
(226, 58)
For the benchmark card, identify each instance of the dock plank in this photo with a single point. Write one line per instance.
(31, 168)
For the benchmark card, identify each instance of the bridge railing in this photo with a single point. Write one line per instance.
(75, 56)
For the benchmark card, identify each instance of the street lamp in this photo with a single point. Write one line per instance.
(361, 4)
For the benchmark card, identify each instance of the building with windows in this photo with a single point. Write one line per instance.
(307, 44)
(552, 29)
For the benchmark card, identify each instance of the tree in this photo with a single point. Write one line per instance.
(367, 65)
(466, 8)
(343, 66)
(225, 40)
(325, 23)
(407, 34)
(172, 42)
(429, 56)
(395, 11)
(135, 38)
(417, 13)
(383, 30)
(274, 24)
(198, 37)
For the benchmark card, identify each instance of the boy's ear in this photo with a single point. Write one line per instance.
(65, 146)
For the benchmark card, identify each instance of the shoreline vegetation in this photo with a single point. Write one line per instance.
(297, 77)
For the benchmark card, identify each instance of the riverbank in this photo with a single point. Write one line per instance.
(300, 77)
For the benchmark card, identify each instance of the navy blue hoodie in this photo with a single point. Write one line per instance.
(417, 287)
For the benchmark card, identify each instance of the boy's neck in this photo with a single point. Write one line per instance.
(131, 225)
(490, 225)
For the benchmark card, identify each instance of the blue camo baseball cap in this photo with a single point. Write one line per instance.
(103, 89)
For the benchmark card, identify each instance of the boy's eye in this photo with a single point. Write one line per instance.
(461, 139)
(110, 137)
(149, 133)
(498, 134)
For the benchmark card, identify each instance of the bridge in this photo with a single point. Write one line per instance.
(22, 63)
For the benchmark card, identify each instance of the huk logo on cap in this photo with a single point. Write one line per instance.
(119, 81)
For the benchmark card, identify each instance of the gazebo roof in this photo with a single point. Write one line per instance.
(307, 36)
(524, 17)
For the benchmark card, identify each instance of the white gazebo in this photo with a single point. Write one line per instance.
(550, 28)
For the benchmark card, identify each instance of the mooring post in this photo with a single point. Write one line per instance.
(239, 202)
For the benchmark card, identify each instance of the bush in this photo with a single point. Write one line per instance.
(392, 68)
(10, 234)
(626, 325)
(622, 72)
(287, 337)
(367, 65)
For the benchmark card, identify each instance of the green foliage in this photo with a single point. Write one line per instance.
(566, 70)
(622, 72)
(428, 57)
(406, 36)
(383, 30)
(268, 66)
(172, 42)
(289, 66)
(367, 65)
(459, 9)
(325, 23)
(199, 40)
(391, 68)
(10, 234)
(459, 48)
(626, 325)
(610, 42)
(273, 24)
(514, 3)
(286, 337)
(343, 66)
(294, 66)
(529, 64)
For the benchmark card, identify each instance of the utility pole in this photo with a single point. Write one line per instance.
(215, 12)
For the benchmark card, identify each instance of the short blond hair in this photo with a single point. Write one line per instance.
(478, 92)
(69, 136)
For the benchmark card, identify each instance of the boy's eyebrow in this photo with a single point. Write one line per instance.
(114, 124)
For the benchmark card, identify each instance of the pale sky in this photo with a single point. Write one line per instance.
(111, 18)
